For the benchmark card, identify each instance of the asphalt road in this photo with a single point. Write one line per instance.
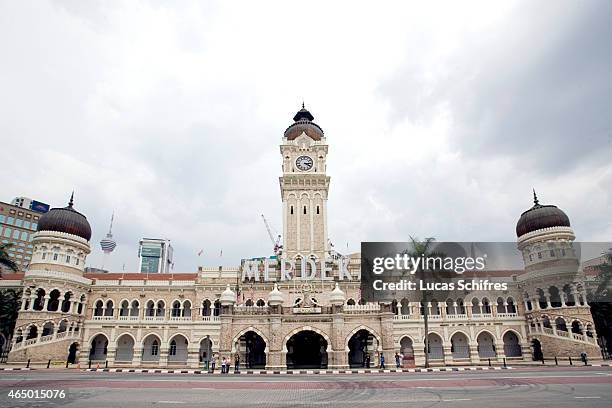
(521, 387)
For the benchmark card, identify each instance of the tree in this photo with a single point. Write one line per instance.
(9, 308)
(601, 301)
(5, 260)
(423, 249)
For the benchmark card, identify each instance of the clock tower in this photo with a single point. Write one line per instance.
(304, 186)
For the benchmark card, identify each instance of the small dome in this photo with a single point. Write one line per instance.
(228, 297)
(275, 297)
(336, 296)
(539, 217)
(304, 124)
(66, 220)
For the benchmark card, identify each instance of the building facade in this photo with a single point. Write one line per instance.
(251, 311)
(18, 223)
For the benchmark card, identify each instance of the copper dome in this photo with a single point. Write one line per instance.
(66, 220)
(539, 217)
(304, 124)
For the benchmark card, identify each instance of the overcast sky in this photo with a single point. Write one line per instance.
(440, 116)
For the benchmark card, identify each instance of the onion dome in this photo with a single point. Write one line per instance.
(67, 220)
(228, 297)
(275, 297)
(539, 217)
(304, 124)
(108, 244)
(337, 297)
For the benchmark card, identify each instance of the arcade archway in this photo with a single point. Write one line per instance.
(307, 349)
(252, 349)
(362, 344)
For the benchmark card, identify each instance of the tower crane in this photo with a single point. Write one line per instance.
(276, 243)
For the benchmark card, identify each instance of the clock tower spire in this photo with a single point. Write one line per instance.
(304, 187)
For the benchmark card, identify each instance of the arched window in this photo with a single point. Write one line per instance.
(350, 302)
(248, 302)
(291, 210)
(172, 348)
(304, 209)
(176, 309)
(206, 308)
(317, 209)
(155, 348)
(261, 303)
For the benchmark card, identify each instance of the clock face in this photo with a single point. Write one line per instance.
(304, 163)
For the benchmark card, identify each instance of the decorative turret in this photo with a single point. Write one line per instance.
(228, 297)
(337, 296)
(275, 298)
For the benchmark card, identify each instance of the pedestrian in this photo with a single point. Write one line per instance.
(223, 365)
(213, 362)
(397, 360)
(367, 360)
(382, 360)
(237, 363)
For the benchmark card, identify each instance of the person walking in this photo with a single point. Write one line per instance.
(397, 360)
(382, 360)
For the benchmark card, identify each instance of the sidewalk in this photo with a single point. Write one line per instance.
(278, 372)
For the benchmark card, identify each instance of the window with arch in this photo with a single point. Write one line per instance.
(155, 348)
(172, 351)
(317, 209)
(304, 209)
(291, 210)
(260, 303)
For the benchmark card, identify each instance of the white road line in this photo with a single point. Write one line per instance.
(456, 399)
(587, 397)
(170, 402)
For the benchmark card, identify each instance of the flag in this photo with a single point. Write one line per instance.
(221, 254)
(201, 251)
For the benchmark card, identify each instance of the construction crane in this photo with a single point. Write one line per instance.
(275, 243)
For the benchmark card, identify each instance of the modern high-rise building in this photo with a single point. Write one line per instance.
(29, 204)
(156, 255)
(18, 223)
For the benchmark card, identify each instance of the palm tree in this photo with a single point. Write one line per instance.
(5, 260)
(422, 249)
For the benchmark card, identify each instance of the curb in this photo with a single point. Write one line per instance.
(285, 372)
(15, 369)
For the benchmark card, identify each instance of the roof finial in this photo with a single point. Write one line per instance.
(535, 198)
(71, 202)
(303, 107)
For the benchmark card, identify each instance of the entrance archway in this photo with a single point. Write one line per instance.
(538, 355)
(177, 351)
(306, 349)
(205, 351)
(486, 345)
(512, 347)
(362, 344)
(99, 345)
(460, 347)
(150, 348)
(252, 349)
(72, 353)
(125, 348)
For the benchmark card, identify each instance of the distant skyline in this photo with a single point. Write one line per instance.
(440, 117)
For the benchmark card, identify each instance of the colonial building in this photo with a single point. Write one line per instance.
(255, 312)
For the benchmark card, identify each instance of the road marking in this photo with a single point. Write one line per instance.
(587, 397)
(170, 402)
(456, 399)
